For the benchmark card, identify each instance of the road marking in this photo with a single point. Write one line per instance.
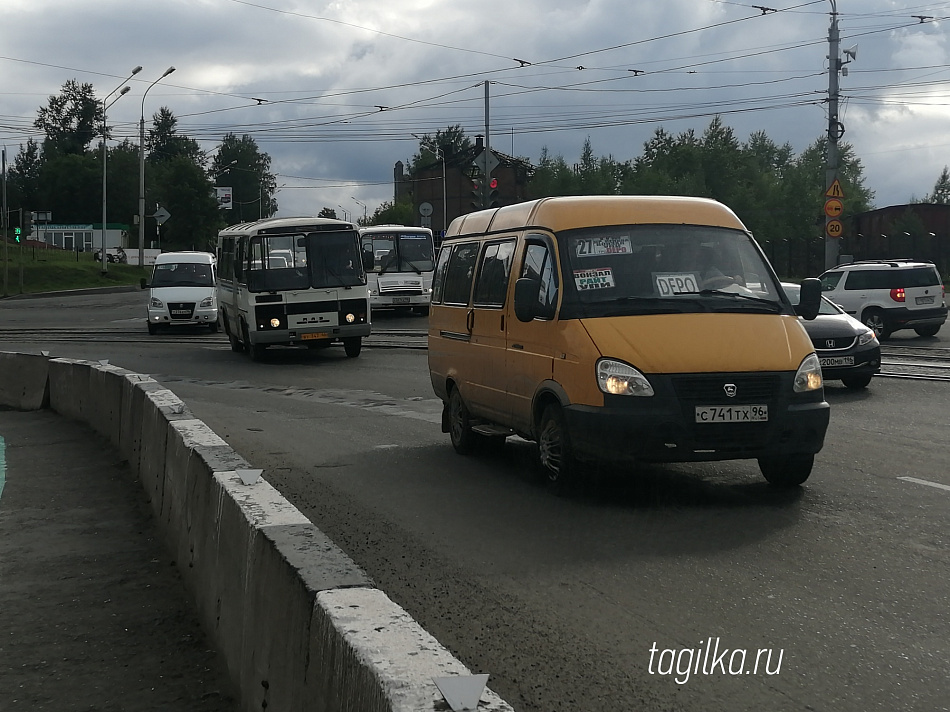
(925, 482)
(3, 463)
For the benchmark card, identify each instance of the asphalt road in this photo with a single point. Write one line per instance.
(843, 582)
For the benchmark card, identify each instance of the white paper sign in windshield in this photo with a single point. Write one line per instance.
(588, 279)
(669, 284)
(599, 246)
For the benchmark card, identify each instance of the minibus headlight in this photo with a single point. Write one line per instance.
(620, 379)
(207, 303)
(155, 303)
(808, 377)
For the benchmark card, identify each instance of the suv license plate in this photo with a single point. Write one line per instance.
(837, 361)
(732, 413)
(925, 300)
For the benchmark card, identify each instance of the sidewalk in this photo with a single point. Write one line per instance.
(93, 613)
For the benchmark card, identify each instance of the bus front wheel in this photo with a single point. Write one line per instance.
(353, 346)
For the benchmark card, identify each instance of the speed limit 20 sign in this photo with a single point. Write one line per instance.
(834, 228)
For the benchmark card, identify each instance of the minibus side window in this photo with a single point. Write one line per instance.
(539, 265)
(459, 273)
(438, 279)
(492, 283)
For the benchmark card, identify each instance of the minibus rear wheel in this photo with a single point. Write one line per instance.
(460, 425)
(555, 451)
(787, 471)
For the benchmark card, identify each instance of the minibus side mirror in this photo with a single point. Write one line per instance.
(143, 283)
(809, 299)
(368, 260)
(526, 298)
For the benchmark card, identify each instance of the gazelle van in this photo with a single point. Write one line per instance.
(182, 291)
(623, 329)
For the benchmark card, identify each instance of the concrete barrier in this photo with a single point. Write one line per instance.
(24, 381)
(299, 625)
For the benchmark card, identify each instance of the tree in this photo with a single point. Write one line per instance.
(450, 142)
(941, 191)
(71, 120)
(182, 188)
(390, 214)
(327, 213)
(24, 176)
(240, 165)
(164, 143)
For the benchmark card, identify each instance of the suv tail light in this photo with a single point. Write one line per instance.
(897, 294)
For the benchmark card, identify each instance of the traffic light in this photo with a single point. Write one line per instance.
(27, 224)
(493, 193)
(476, 195)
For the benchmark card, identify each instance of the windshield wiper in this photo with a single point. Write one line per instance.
(759, 301)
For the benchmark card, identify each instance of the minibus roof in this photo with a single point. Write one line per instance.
(185, 256)
(569, 212)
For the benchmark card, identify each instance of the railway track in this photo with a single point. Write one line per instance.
(897, 361)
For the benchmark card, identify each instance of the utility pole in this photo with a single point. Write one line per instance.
(834, 195)
(488, 166)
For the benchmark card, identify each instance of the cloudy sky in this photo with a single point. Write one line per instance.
(334, 91)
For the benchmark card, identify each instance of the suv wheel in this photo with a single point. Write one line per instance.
(874, 320)
(927, 330)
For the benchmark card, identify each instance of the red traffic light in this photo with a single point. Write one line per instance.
(493, 183)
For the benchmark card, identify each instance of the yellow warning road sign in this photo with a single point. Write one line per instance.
(834, 191)
(833, 207)
(834, 228)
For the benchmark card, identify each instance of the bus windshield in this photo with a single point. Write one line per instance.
(303, 261)
(399, 251)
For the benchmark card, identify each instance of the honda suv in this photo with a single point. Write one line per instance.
(889, 295)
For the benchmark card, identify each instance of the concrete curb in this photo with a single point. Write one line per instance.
(299, 625)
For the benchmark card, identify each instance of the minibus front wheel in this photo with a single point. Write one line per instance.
(555, 451)
(788, 471)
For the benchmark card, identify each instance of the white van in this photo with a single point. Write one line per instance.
(182, 291)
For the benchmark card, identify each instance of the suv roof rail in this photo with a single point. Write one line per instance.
(897, 261)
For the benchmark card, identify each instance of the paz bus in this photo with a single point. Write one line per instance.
(400, 261)
(292, 282)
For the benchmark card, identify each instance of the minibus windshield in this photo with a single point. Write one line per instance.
(182, 274)
(302, 261)
(649, 269)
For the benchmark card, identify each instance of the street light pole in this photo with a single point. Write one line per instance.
(142, 170)
(105, 108)
(364, 207)
(440, 153)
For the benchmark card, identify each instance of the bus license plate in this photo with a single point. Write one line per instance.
(837, 361)
(732, 413)
(315, 335)
(400, 300)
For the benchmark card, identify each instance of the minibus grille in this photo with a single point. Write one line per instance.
(713, 389)
(181, 310)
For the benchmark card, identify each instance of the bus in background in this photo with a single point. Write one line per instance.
(292, 282)
(400, 261)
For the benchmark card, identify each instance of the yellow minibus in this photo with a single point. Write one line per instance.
(623, 329)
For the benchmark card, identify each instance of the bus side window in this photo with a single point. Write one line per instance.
(239, 258)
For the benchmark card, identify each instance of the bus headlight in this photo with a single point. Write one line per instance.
(621, 379)
(275, 322)
(206, 303)
(808, 377)
(350, 318)
(154, 303)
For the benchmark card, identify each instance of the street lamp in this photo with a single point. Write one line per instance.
(142, 170)
(345, 212)
(439, 154)
(364, 207)
(105, 108)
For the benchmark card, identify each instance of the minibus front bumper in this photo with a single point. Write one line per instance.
(664, 427)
